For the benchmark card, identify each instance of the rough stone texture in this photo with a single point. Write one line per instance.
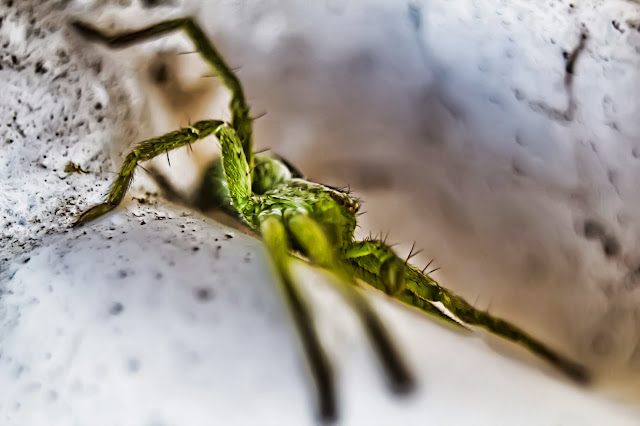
(60, 102)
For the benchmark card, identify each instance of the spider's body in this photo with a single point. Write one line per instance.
(334, 209)
(317, 221)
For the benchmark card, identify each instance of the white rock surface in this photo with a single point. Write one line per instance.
(125, 323)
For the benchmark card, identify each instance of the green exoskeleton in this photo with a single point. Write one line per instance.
(315, 221)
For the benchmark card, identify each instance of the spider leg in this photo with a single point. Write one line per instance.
(375, 263)
(145, 151)
(422, 286)
(276, 240)
(240, 119)
(311, 237)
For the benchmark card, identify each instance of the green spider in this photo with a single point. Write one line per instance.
(315, 221)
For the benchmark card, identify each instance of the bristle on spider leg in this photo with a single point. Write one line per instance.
(143, 168)
(413, 253)
(384, 240)
(428, 264)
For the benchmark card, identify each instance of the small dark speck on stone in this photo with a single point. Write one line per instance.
(204, 294)
(196, 248)
(40, 69)
(26, 260)
(154, 3)
(228, 235)
(610, 246)
(593, 229)
(133, 365)
(616, 25)
(122, 273)
(159, 73)
(116, 308)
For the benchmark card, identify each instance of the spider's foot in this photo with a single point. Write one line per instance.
(576, 372)
(93, 213)
(404, 383)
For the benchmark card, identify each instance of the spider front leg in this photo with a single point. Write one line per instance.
(315, 243)
(146, 151)
(274, 233)
(240, 119)
(276, 239)
(424, 287)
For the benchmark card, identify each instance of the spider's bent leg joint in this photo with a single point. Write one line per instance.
(379, 260)
(392, 272)
(145, 151)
